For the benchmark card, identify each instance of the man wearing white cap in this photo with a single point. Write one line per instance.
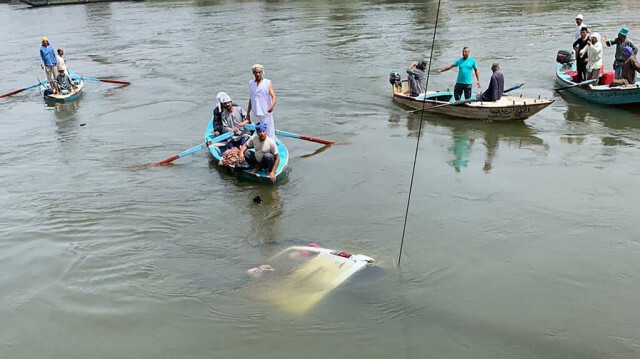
(579, 25)
(262, 100)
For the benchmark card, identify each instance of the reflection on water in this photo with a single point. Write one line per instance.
(618, 123)
(465, 133)
(461, 147)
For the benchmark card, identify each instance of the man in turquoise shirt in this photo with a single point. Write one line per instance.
(463, 83)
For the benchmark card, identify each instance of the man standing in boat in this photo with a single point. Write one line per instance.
(266, 152)
(416, 78)
(581, 58)
(48, 60)
(579, 25)
(621, 42)
(262, 100)
(463, 83)
(496, 85)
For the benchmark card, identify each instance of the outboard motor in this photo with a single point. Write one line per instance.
(564, 57)
(394, 79)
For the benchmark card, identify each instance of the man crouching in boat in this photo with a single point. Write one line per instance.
(496, 85)
(64, 83)
(417, 78)
(266, 152)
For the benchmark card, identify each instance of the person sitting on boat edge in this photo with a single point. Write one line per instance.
(233, 119)
(581, 57)
(496, 85)
(417, 78)
(266, 152)
(629, 67)
(593, 50)
(463, 82)
(621, 42)
(48, 61)
(64, 83)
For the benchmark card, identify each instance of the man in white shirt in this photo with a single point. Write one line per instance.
(579, 25)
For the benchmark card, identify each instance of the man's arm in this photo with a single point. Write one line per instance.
(477, 75)
(446, 68)
(633, 47)
(272, 174)
(249, 110)
(273, 97)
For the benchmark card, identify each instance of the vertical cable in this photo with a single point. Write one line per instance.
(415, 156)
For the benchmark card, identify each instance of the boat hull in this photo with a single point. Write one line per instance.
(261, 176)
(508, 108)
(601, 94)
(39, 3)
(63, 98)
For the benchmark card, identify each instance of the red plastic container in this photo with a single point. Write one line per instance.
(607, 77)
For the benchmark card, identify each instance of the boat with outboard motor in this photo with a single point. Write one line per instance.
(594, 91)
(507, 108)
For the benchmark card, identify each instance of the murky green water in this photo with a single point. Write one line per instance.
(521, 240)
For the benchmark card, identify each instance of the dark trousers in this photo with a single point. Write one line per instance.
(581, 66)
(268, 160)
(459, 88)
(237, 141)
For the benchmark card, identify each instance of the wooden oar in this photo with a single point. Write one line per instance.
(252, 127)
(95, 79)
(194, 149)
(583, 83)
(107, 80)
(306, 138)
(514, 87)
(19, 90)
(455, 103)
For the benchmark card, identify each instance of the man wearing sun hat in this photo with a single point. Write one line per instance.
(579, 25)
(48, 60)
(621, 42)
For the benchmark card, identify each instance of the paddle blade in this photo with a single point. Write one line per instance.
(12, 92)
(514, 87)
(306, 138)
(116, 81)
(181, 154)
(194, 149)
(19, 90)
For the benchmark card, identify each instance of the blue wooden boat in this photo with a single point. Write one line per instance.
(262, 176)
(602, 94)
(44, 86)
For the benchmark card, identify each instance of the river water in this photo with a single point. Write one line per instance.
(521, 238)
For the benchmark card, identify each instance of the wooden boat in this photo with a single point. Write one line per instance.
(599, 93)
(217, 149)
(44, 86)
(297, 278)
(508, 108)
(38, 3)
